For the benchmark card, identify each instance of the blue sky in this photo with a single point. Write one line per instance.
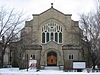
(74, 7)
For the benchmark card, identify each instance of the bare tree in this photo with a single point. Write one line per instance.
(10, 26)
(90, 24)
(18, 54)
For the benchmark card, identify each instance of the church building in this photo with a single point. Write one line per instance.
(53, 39)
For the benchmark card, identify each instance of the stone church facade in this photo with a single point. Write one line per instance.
(53, 39)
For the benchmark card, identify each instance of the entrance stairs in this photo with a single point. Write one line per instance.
(51, 68)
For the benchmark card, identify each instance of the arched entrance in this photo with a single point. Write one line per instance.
(51, 59)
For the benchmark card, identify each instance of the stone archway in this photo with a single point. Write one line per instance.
(52, 58)
(44, 54)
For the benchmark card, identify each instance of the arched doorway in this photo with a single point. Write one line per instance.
(52, 59)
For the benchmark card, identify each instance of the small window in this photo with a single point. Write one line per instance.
(51, 27)
(42, 29)
(71, 56)
(33, 57)
(61, 29)
(57, 27)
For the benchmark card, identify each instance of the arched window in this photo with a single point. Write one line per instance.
(43, 37)
(52, 36)
(32, 57)
(60, 37)
(56, 37)
(71, 57)
(47, 37)
(52, 32)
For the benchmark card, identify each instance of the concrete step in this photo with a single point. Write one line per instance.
(51, 68)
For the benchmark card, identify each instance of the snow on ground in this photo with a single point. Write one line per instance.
(16, 71)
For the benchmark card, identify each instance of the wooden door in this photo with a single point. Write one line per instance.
(52, 60)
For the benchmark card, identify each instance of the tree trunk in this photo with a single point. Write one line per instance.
(2, 55)
(94, 64)
(2, 58)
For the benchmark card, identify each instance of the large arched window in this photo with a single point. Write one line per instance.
(52, 32)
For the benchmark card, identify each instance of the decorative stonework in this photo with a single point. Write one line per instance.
(71, 47)
(33, 47)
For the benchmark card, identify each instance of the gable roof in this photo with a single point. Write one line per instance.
(53, 9)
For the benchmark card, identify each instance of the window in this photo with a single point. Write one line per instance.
(47, 37)
(60, 37)
(71, 57)
(51, 36)
(32, 57)
(43, 37)
(51, 32)
(56, 37)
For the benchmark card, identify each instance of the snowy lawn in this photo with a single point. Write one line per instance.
(16, 71)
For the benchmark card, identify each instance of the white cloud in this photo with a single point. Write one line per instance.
(37, 6)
